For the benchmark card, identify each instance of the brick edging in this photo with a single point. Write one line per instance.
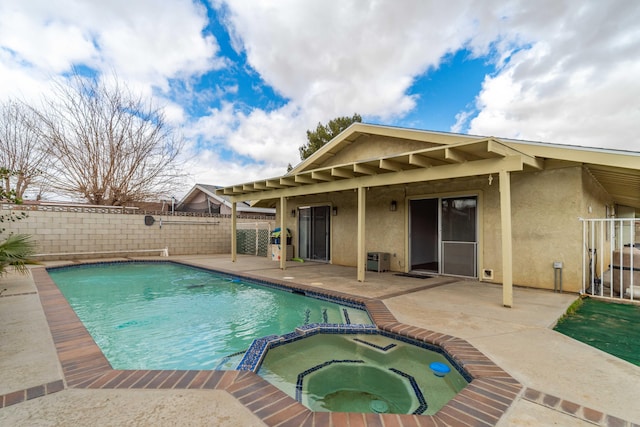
(20, 396)
(483, 402)
(575, 410)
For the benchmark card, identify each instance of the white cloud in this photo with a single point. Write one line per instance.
(218, 124)
(209, 167)
(576, 83)
(146, 42)
(344, 56)
(335, 58)
(566, 71)
(267, 137)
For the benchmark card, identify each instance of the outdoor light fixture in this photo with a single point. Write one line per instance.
(335, 211)
(293, 213)
(393, 206)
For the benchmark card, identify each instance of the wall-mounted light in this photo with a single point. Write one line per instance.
(334, 211)
(393, 206)
(293, 213)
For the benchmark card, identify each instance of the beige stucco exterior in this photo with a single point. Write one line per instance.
(551, 187)
(546, 206)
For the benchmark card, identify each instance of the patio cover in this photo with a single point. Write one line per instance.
(486, 156)
(452, 156)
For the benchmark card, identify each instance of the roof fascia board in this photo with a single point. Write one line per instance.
(189, 196)
(428, 157)
(629, 160)
(442, 138)
(392, 132)
(456, 170)
(324, 149)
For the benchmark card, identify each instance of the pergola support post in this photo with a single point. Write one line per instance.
(234, 226)
(362, 255)
(283, 233)
(507, 255)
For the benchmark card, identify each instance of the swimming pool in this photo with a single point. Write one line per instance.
(163, 315)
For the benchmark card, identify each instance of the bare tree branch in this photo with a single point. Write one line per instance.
(111, 147)
(22, 150)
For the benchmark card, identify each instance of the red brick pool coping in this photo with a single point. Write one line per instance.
(481, 403)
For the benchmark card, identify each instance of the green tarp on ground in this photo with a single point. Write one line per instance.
(610, 327)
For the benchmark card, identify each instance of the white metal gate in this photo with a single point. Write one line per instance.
(611, 257)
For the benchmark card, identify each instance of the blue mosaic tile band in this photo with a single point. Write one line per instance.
(301, 375)
(258, 349)
(389, 347)
(336, 328)
(112, 262)
(416, 390)
(346, 316)
(256, 352)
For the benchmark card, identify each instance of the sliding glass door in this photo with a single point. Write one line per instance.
(313, 229)
(443, 235)
(458, 234)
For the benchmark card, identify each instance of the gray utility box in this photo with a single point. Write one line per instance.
(378, 261)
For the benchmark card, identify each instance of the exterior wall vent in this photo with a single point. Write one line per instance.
(487, 274)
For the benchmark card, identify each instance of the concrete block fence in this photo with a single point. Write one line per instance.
(98, 232)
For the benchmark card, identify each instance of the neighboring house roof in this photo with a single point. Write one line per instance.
(210, 191)
(444, 155)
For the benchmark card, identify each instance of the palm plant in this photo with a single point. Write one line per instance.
(16, 251)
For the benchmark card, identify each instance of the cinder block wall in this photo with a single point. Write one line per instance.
(85, 230)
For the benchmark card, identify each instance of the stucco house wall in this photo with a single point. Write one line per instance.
(546, 207)
(545, 226)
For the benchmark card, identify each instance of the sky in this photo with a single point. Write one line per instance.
(242, 81)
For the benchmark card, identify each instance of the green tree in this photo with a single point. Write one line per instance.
(9, 195)
(325, 133)
(16, 251)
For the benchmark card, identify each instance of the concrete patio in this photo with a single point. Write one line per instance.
(564, 381)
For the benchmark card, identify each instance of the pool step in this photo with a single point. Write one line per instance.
(373, 342)
(316, 317)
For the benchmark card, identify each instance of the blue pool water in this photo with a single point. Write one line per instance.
(171, 316)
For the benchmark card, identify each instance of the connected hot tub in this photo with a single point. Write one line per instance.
(360, 369)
